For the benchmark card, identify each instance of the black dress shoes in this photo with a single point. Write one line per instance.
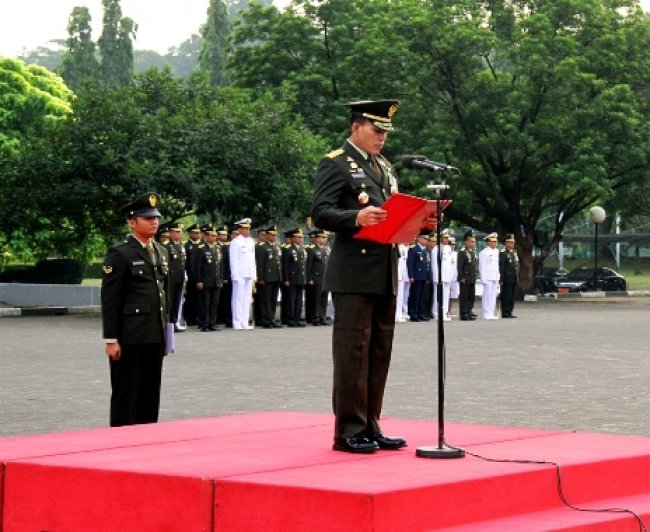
(386, 442)
(356, 444)
(465, 317)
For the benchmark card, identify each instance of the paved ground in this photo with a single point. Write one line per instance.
(580, 365)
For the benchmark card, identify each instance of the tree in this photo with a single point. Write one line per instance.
(79, 61)
(215, 33)
(216, 154)
(32, 100)
(542, 104)
(116, 45)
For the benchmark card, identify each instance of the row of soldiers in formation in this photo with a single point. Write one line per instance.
(422, 264)
(218, 273)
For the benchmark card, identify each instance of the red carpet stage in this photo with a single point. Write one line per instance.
(275, 471)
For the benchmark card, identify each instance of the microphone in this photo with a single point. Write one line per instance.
(420, 162)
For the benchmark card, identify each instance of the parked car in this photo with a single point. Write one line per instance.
(582, 280)
(548, 278)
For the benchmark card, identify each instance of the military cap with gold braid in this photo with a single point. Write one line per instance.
(145, 205)
(379, 112)
(510, 238)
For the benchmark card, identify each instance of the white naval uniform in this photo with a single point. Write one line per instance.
(434, 281)
(488, 268)
(447, 268)
(242, 274)
(403, 285)
(454, 289)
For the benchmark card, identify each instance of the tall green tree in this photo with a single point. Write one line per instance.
(33, 100)
(79, 61)
(215, 33)
(543, 105)
(116, 45)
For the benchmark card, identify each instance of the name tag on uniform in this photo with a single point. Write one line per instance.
(138, 263)
(358, 175)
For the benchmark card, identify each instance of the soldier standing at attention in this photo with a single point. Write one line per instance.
(190, 307)
(467, 277)
(488, 271)
(268, 259)
(242, 274)
(509, 271)
(224, 309)
(351, 185)
(294, 261)
(177, 260)
(135, 314)
(208, 267)
(317, 255)
(418, 264)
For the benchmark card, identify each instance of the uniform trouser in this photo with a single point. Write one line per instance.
(446, 288)
(190, 308)
(508, 293)
(402, 295)
(466, 298)
(362, 342)
(176, 292)
(417, 299)
(224, 310)
(314, 311)
(294, 303)
(242, 296)
(324, 300)
(135, 384)
(268, 294)
(208, 305)
(284, 305)
(489, 298)
(432, 299)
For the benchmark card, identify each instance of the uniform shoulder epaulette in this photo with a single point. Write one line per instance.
(463, 248)
(201, 245)
(335, 153)
(412, 246)
(261, 243)
(503, 250)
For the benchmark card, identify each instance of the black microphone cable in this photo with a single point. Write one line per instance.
(560, 491)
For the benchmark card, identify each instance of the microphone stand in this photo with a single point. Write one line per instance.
(441, 450)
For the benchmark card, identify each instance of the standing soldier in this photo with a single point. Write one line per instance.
(257, 302)
(190, 307)
(453, 289)
(242, 274)
(208, 267)
(177, 260)
(294, 261)
(509, 271)
(351, 185)
(224, 309)
(418, 263)
(467, 277)
(488, 271)
(268, 259)
(134, 296)
(317, 256)
(448, 271)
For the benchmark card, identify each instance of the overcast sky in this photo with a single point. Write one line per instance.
(26, 24)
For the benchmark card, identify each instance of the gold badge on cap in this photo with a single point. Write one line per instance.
(107, 269)
(363, 195)
(153, 200)
(392, 110)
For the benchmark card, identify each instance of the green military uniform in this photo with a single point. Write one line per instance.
(135, 314)
(466, 264)
(509, 277)
(362, 276)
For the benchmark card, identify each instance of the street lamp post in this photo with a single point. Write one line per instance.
(596, 216)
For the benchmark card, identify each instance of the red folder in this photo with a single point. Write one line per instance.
(404, 220)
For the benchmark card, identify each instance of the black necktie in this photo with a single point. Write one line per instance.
(375, 166)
